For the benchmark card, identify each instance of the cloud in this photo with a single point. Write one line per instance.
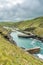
(10, 3)
(16, 10)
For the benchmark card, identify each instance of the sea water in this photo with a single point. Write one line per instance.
(27, 43)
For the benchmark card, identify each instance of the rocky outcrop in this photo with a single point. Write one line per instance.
(30, 35)
(33, 50)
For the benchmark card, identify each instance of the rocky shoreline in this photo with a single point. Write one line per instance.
(39, 38)
(33, 36)
(9, 38)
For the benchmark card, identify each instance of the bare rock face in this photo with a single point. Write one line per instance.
(33, 50)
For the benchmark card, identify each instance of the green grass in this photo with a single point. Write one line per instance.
(35, 26)
(12, 55)
(36, 23)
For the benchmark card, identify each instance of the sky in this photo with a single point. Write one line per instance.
(16, 10)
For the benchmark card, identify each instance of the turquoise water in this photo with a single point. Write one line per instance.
(27, 43)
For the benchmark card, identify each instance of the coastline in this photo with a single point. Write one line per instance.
(10, 39)
(32, 36)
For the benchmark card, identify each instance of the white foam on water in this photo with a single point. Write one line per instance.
(33, 41)
(40, 56)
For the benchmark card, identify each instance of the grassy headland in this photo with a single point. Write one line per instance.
(11, 54)
(35, 25)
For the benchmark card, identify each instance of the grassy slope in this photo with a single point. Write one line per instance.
(37, 23)
(11, 55)
(33, 23)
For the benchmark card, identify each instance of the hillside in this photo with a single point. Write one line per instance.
(35, 25)
(12, 55)
(37, 22)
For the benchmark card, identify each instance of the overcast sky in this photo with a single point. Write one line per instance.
(15, 10)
